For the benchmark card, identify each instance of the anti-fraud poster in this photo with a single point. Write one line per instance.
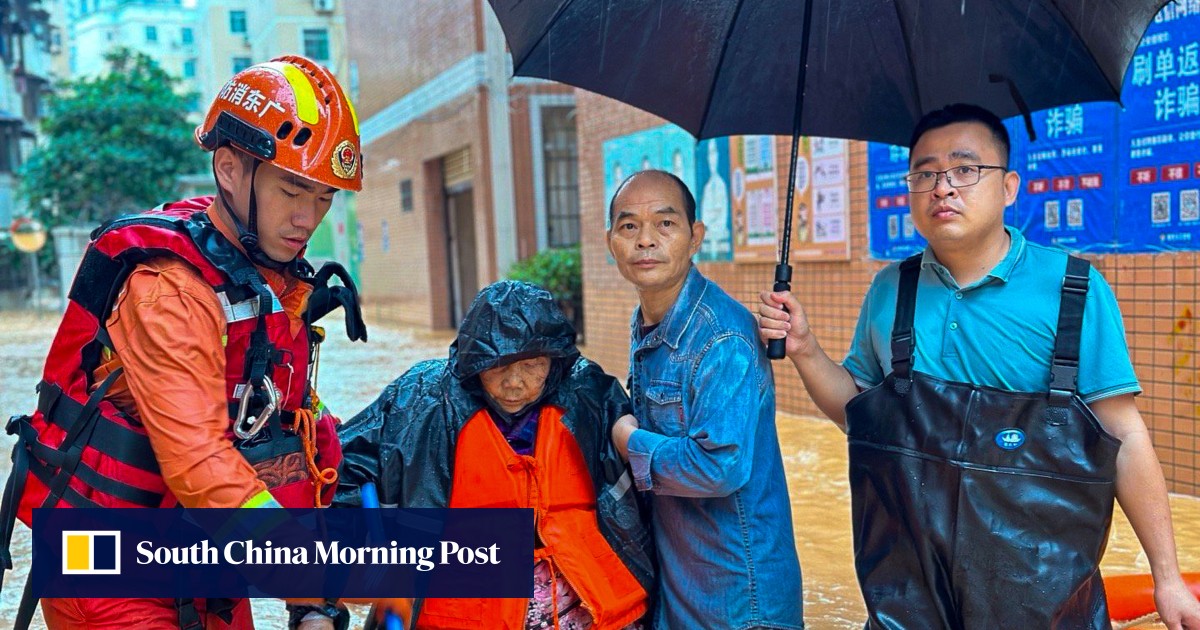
(713, 204)
(1068, 177)
(821, 206)
(756, 218)
(892, 235)
(1159, 163)
(668, 148)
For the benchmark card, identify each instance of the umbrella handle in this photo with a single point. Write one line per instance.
(777, 348)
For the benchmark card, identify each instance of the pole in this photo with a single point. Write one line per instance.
(370, 500)
(777, 348)
(37, 283)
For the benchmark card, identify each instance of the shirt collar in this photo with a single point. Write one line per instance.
(670, 330)
(1003, 269)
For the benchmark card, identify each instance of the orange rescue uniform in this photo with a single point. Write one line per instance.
(168, 329)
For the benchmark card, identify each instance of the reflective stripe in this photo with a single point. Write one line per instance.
(246, 309)
(353, 114)
(262, 499)
(302, 89)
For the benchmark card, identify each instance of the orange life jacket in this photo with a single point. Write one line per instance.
(554, 482)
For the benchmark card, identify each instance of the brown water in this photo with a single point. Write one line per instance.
(352, 375)
(814, 454)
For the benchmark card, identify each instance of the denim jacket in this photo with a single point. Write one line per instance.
(708, 455)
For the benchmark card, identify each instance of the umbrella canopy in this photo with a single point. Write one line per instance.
(874, 67)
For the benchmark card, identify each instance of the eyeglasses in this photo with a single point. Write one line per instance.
(957, 177)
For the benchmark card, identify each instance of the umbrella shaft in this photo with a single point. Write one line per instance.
(785, 247)
(797, 115)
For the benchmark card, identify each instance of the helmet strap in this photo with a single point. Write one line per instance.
(248, 235)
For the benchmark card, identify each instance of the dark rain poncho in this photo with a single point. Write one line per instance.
(405, 441)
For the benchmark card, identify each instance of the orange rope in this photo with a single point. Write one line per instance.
(306, 428)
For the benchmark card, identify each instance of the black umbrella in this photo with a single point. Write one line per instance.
(859, 69)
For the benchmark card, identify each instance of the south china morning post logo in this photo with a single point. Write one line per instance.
(91, 552)
(253, 552)
(284, 553)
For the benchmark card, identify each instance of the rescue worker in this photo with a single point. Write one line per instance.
(180, 374)
(996, 420)
(528, 421)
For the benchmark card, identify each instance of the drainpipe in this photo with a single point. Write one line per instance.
(496, 66)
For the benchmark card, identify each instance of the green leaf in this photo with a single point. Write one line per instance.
(112, 144)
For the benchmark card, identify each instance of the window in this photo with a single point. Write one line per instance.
(189, 69)
(187, 36)
(10, 148)
(240, 63)
(31, 97)
(316, 44)
(151, 33)
(561, 159)
(406, 196)
(237, 22)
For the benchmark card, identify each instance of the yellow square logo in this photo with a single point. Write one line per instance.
(91, 552)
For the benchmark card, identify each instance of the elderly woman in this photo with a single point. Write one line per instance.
(514, 407)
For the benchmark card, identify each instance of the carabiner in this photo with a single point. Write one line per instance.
(247, 427)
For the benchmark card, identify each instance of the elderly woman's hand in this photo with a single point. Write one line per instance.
(622, 429)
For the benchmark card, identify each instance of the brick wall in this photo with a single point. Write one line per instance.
(1157, 293)
(403, 268)
(401, 46)
(404, 271)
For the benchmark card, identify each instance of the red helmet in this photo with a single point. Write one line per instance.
(292, 113)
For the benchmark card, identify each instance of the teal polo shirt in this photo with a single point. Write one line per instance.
(998, 332)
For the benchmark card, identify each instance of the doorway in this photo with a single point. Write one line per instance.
(462, 264)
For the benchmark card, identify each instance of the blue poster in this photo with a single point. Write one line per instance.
(891, 232)
(1068, 177)
(667, 148)
(712, 200)
(1159, 159)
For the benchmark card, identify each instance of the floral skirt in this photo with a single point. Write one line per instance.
(548, 586)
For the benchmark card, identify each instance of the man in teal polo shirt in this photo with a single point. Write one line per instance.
(988, 399)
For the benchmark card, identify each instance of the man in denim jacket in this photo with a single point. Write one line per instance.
(706, 452)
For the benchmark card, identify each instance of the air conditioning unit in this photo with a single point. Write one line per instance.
(323, 5)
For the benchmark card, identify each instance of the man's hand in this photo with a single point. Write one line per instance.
(792, 324)
(622, 429)
(1178, 607)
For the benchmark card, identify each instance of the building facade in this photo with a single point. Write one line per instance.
(466, 170)
(234, 34)
(28, 41)
(164, 30)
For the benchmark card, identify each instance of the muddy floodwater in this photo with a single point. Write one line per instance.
(351, 375)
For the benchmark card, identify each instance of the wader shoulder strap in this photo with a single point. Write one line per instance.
(1064, 367)
(902, 327)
